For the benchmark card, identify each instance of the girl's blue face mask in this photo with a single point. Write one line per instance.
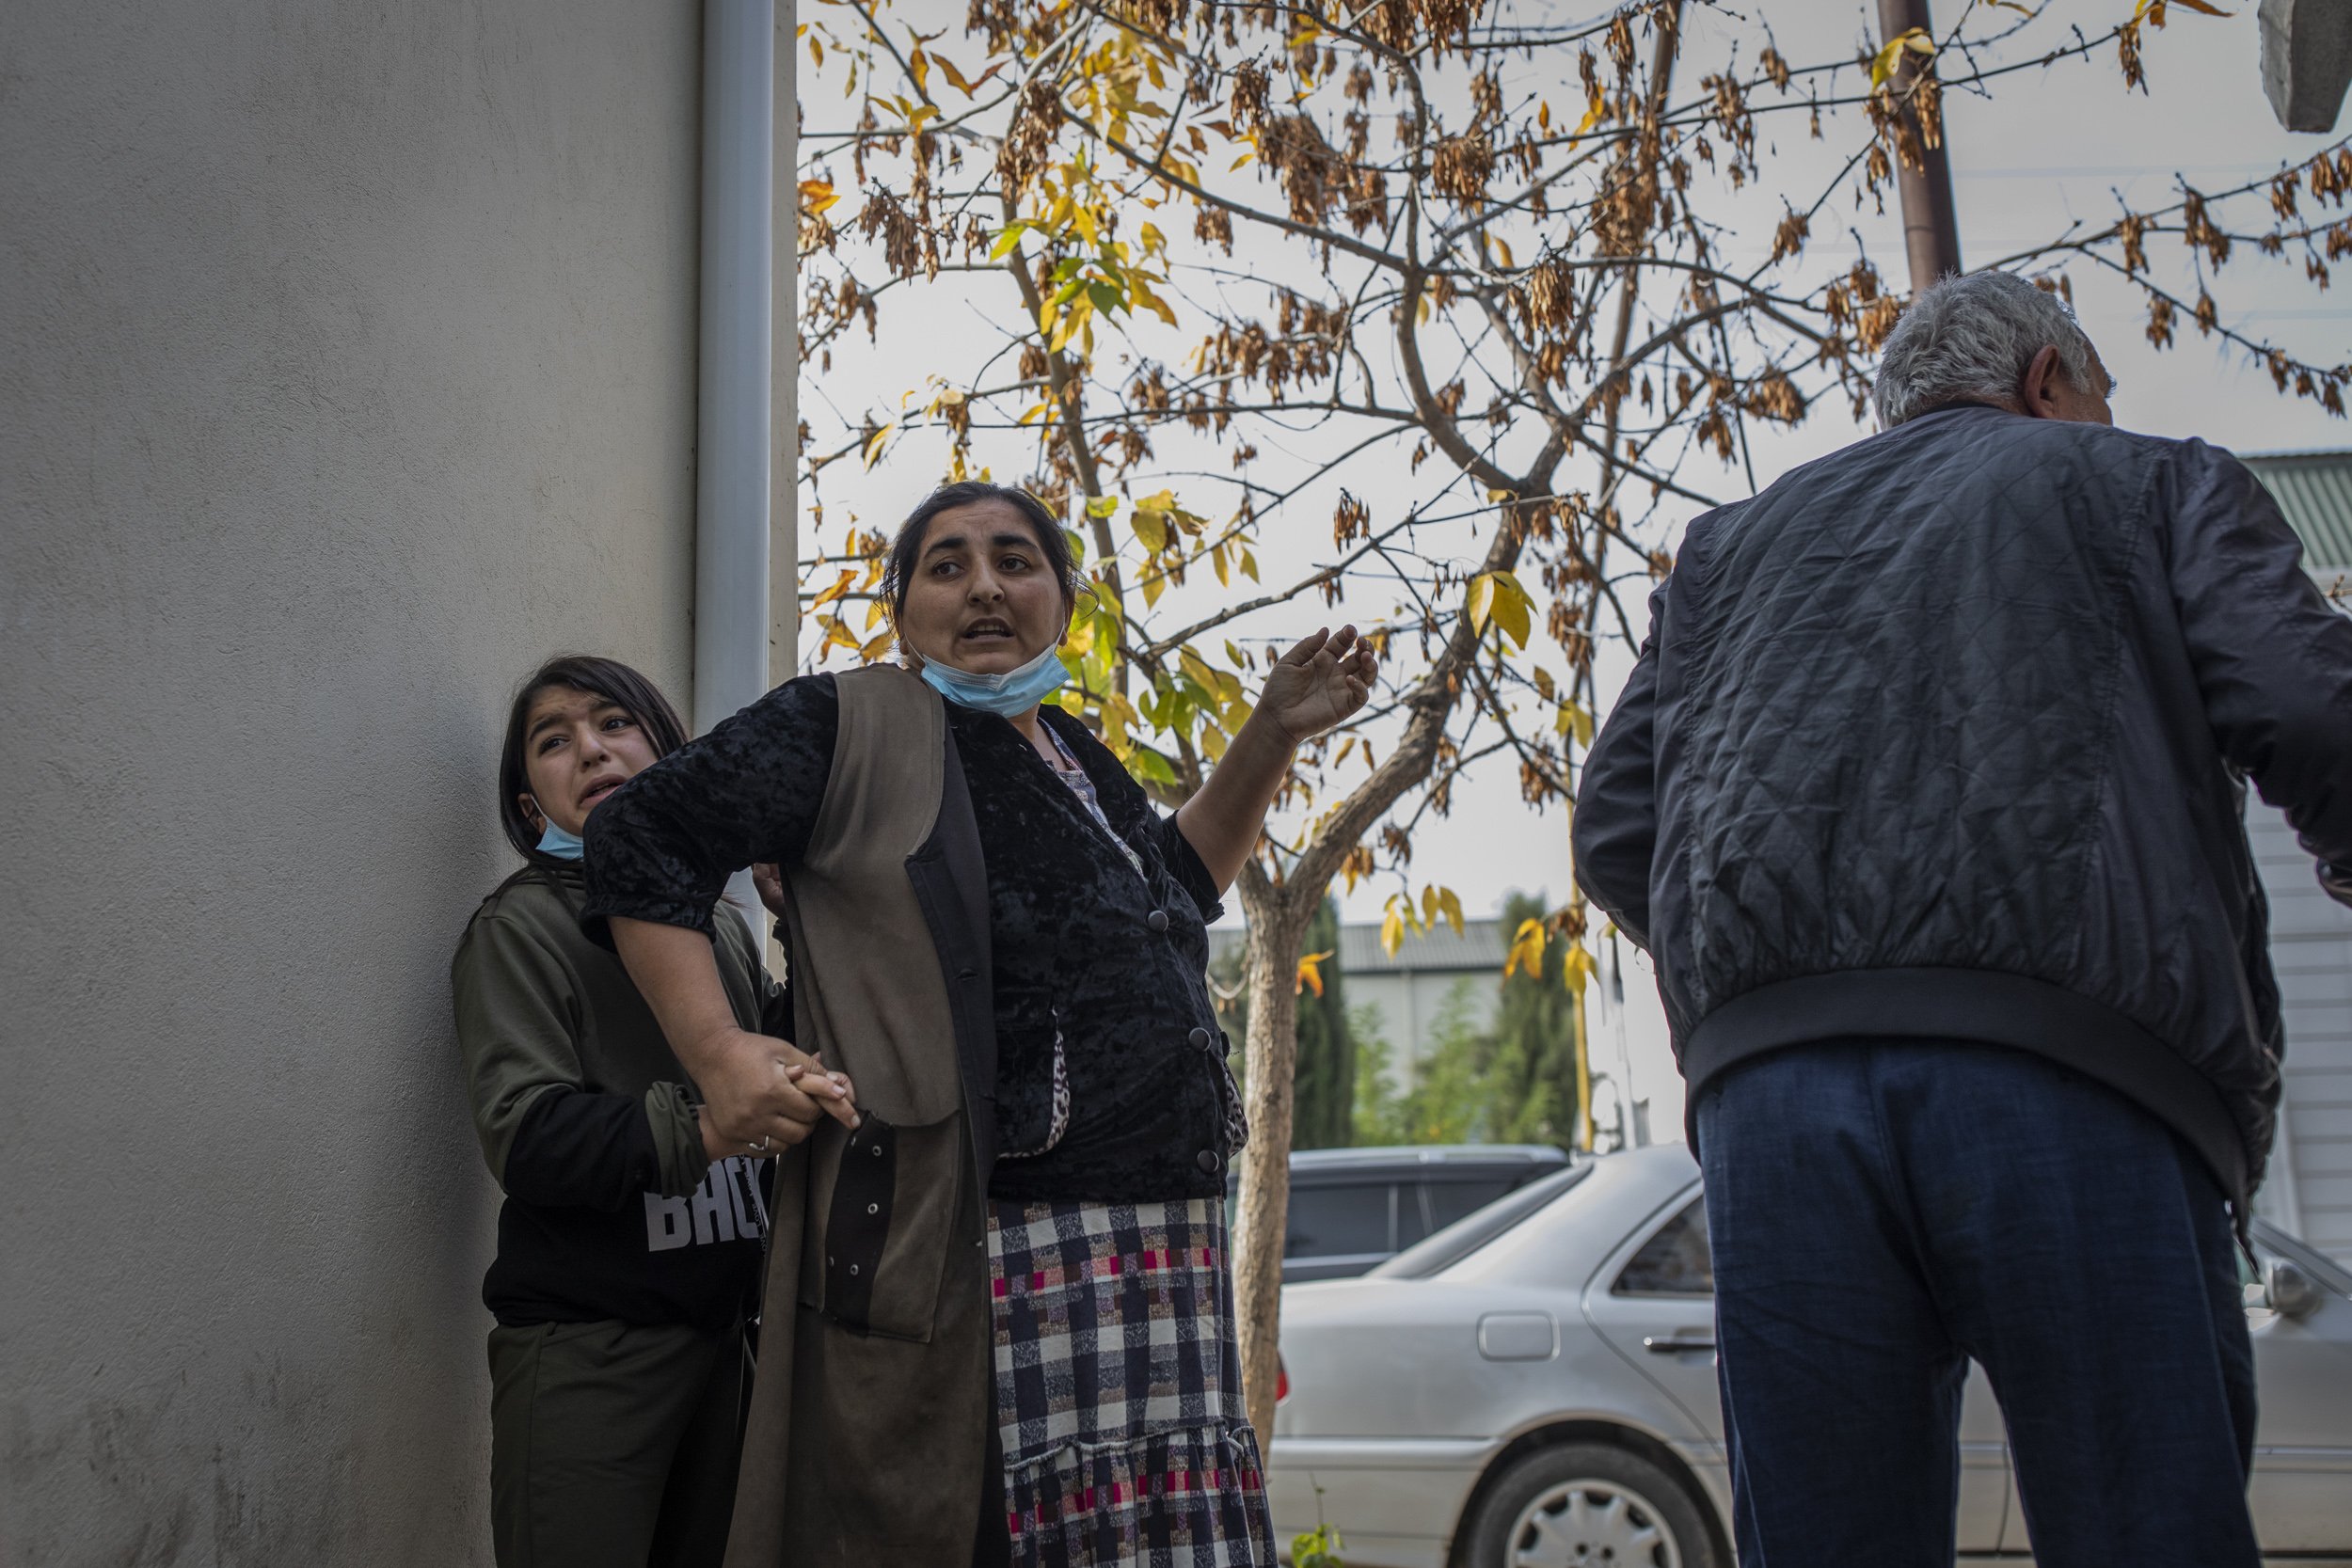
(563, 845)
(1014, 691)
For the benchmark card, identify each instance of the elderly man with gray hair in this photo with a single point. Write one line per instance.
(1925, 796)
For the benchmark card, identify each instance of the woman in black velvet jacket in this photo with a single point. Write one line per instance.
(1117, 1389)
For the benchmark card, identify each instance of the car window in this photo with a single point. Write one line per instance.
(1412, 1213)
(1453, 1200)
(1674, 1262)
(1337, 1219)
(1457, 1242)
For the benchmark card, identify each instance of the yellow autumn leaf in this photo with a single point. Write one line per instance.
(1197, 668)
(841, 585)
(817, 195)
(1597, 107)
(1883, 64)
(1143, 295)
(968, 88)
(1072, 319)
(1527, 951)
(1151, 527)
(1499, 597)
(1311, 972)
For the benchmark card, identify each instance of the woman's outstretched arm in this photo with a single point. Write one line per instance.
(757, 1088)
(659, 850)
(1317, 686)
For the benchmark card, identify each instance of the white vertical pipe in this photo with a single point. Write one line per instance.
(783, 460)
(784, 453)
(731, 630)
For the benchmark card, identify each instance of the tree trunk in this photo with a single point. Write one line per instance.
(1278, 924)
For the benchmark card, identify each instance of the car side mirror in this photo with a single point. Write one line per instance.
(2293, 1293)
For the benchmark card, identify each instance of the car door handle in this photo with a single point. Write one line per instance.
(1671, 1344)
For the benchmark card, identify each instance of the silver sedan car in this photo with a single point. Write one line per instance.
(1535, 1387)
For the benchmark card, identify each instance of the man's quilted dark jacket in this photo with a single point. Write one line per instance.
(1943, 736)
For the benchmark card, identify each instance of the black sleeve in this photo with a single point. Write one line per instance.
(663, 845)
(1614, 831)
(583, 1150)
(2272, 656)
(1184, 864)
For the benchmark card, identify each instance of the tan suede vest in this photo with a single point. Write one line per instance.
(869, 1421)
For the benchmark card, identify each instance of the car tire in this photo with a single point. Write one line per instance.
(1625, 1511)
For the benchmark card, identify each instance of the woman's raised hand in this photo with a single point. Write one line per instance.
(1319, 685)
(761, 1093)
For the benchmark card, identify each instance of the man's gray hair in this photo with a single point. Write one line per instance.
(1973, 337)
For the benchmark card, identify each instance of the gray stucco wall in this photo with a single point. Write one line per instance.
(346, 368)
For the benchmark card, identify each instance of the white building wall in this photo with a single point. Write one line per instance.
(2310, 1187)
(347, 370)
(1411, 1003)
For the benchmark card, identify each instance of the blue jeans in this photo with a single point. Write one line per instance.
(1880, 1213)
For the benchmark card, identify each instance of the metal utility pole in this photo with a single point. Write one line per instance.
(1931, 227)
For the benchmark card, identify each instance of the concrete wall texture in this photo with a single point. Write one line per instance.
(346, 368)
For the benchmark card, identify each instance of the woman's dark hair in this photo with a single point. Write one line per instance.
(609, 679)
(907, 548)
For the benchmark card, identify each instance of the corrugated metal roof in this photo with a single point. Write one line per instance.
(2314, 490)
(1480, 948)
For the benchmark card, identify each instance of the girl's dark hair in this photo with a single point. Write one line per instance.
(609, 679)
(907, 548)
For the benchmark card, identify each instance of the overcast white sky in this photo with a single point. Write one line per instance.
(2054, 147)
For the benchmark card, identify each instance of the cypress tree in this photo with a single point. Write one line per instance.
(1531, 1060)
(1323, 1109)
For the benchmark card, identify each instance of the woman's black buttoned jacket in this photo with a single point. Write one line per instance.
(1086, 955)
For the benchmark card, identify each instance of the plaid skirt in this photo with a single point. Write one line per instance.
(1119, 1389)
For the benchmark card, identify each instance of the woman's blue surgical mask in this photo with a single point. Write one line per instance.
(563, 845)
(1014, 691)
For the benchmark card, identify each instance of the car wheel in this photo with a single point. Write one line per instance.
(1587, 1505)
